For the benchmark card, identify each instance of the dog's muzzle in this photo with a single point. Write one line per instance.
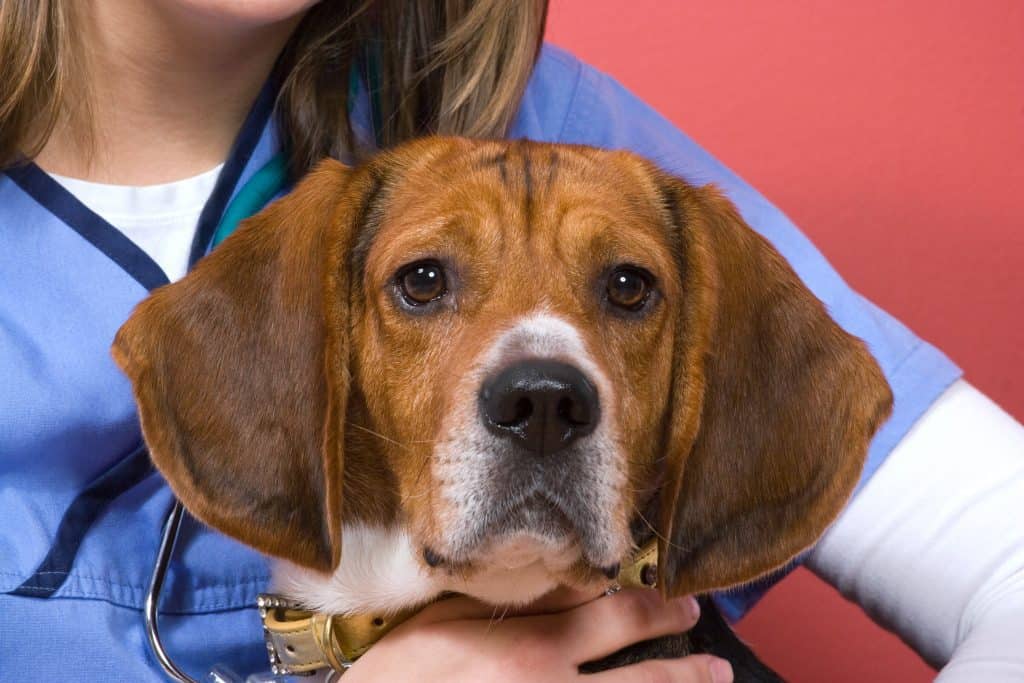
(535, 458)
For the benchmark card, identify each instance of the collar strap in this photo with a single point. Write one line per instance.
(300, 641)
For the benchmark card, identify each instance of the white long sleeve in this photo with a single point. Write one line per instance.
(932, 547)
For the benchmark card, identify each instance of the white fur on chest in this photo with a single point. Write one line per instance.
(380, 571)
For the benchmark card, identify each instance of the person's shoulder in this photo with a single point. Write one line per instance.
(564, 90)
(550, 95)
(568, 100)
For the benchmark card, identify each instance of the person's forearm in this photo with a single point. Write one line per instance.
(933, 546)
(993, 649)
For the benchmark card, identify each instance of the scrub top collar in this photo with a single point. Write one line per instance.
(255, 145)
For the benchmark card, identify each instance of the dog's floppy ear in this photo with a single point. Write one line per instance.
(240, 372)
(773, 406)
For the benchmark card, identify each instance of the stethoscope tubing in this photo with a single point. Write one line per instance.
(156, 585)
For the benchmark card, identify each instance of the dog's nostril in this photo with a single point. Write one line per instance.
(573, 412)
(524, 409)
(510, 410)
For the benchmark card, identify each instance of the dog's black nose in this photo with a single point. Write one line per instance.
(543, 405)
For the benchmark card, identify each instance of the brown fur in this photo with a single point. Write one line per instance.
(282, 374)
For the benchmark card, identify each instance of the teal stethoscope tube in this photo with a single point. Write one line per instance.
(264, 185)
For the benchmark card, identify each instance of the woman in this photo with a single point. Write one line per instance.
(144, 119)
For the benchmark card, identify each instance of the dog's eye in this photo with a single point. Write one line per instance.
(628, 288)
(422, 283)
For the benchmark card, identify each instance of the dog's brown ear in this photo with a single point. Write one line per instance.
(773, 409)
(240, 373)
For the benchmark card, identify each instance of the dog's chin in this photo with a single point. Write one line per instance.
(520, 567)
(527, 549)
(540, 527)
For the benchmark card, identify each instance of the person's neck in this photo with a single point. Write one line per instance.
(166, 93)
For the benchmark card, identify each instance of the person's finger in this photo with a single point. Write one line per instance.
(692, 669)
(609, 624)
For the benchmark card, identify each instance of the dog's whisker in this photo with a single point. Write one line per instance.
(494, 619)
(494, 622)
(657, 533)
(463, 572)
(423, 468)
(415, 496)
(379, 435)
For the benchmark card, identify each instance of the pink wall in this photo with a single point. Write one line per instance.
(893, 134)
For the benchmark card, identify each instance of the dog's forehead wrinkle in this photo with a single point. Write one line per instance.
(368, 218)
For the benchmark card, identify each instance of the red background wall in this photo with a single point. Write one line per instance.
(893, 134)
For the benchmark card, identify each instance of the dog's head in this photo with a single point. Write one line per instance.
(519, 355)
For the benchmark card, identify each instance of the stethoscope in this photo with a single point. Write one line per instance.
(264, 185)
(156, 585)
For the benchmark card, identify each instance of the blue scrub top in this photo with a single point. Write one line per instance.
(80, 506)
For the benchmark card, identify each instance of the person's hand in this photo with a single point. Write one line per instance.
(462, 640)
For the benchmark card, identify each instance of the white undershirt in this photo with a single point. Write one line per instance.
(160, 219)
(932, 547)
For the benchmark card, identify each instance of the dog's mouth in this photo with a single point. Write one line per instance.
(539, 514)
(540, 528)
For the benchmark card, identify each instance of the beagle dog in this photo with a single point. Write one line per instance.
(493, 368)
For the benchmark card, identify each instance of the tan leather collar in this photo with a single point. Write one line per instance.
(300, 641)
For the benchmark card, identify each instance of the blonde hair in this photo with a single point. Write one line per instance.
(434, 66)
(35, 46)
